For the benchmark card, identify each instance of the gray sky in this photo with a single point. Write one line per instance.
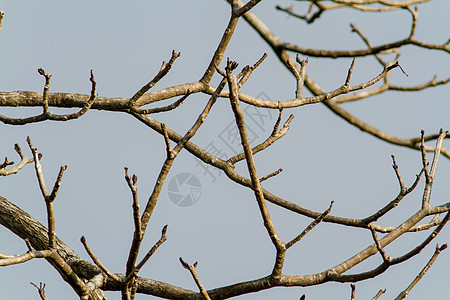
(323, 158)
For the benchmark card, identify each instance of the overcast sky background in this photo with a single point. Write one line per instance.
(323, 157)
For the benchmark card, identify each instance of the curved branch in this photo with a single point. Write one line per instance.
(47, 114)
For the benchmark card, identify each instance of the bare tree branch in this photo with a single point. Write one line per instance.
(148, 255)
(87, 279)
(13, 170)
(438, 250)
(165, 68)
(429, 175)
(271, 175)
(378, 295)
(40, 290)
(310, 227)
(97, 261)
(353, 287)
(193, 272)
(275, 43)
(276, 135)
(2, 13)
(256, 184)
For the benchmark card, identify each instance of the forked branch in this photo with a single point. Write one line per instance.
(193, 271)
(41, 290)
(47, 114)
(4, 171)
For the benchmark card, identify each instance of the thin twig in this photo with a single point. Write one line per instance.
(271, 175)
(385, 257)
(138, 234)
(2, 13)
(163, 108)
(378, 295)
(333, 275)
(427, 241)
(249, 70)
(41, 290)
(349, 73)
(275, 135)
(47, 114)
(97, 261)
(171, 155)
(353, 287)
(8, 260)
(366, 41)
(239, 117)
(165, 68)
(135, 271)
(166, 139)
(397, 173)
(310, 226)
(13, 170)
(429, 174)
(394, 203)
(193, 272)
(49, 198)
(438, 251)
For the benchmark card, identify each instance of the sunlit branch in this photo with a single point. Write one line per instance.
(256, 184)
(23, 162)
(47, 114)
(8, 260)
(429, 174)
(378, 295)
(138, 234)
(97, 261)
(135, 271)
(165, 68)
(41, 290)
(230, 171)
(250, 70)
(275, 173)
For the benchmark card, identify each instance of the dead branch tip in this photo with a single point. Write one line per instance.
(164, 230)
